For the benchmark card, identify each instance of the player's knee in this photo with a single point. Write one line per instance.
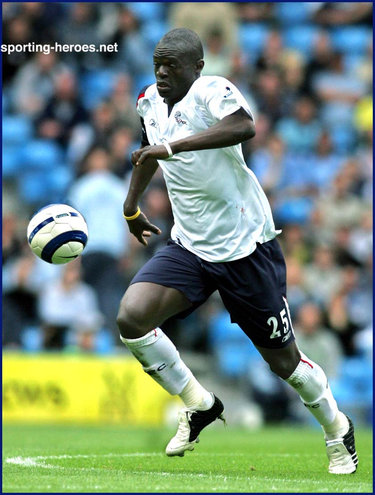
(283, 367)
(131, 321)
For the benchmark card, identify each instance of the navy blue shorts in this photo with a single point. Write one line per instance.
(253, 289)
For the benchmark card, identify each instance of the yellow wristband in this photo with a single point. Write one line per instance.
(133, 217)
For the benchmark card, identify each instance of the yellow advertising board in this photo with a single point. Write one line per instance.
(80, 388)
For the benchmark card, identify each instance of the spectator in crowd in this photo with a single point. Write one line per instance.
(120, 145)
(218, 57)
(350, 308)
(102, 124)
(132, 46)
(268, 88)
(17, 30)
(62, 112)
(338, 91)
(337, 208)
(272, 53)
(297, 295)
(122, 100)
(339, 13)
(324, 162)
(204, 18)
(24, 276)
(34, 82)
(79, 29)
(322, 277)
(319, 61)
(301, 131)
(267, 163)
(316, 340)
(69, 305)
(99, 195)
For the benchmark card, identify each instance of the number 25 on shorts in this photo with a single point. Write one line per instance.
(286, 323)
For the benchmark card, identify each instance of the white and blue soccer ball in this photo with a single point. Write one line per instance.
(57, 233)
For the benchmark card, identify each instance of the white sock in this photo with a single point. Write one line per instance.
(161, 360)
(310, 381)
(196, 397)
(338, 428)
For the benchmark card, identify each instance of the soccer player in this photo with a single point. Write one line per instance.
(223, 239)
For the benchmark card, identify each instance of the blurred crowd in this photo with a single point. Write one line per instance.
(70, 125)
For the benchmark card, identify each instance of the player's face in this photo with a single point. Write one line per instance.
(175, 72)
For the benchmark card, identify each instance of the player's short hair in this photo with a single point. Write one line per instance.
(186, 40)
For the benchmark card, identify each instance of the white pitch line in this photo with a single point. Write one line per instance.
(37, 461)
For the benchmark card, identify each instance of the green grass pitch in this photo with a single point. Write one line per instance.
(228, 459)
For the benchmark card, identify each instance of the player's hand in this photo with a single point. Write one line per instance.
(156, 152)
(142, 228)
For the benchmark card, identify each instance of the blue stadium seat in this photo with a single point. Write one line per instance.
(153, 31)
(17, 130)
(252, 38)
(104, 342)
(301, 38)
(96, 86)
(291, 13)
(59, 180)
(353, 388)
(231, 347)
(351, 39)
(33, 187)
(344, 138)
(147, 11)
(41, 154)
(32, 339)
(11, 162)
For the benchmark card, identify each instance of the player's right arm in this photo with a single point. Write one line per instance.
(140, 227)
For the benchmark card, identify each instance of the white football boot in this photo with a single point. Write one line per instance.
(341, 453)
(190, 424)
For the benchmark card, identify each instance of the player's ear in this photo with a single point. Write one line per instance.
(199, 65)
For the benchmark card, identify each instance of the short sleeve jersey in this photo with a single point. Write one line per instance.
(220, 210)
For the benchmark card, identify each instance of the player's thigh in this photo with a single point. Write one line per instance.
(253, 290)
(147, 305)
(171, 283)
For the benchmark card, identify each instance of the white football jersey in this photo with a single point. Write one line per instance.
(220, 210)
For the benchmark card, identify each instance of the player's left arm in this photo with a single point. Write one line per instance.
(232, 129)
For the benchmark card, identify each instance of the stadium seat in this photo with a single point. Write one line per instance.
(59, 180)
(96, 86)
(153, 31)
(32, 339)
(41, 154)
(17, 130)
(11, 161)
(351, 39)
(344, 138)
(104, 342)
(252, 38)
(231, 347)
(33, 187)
(288, 14)
(353, 388)
(301, 38)
(147, 12)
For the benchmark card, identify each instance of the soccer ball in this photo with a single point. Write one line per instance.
(57, 233)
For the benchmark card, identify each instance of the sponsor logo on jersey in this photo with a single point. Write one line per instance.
(228, 93)
(178, 118)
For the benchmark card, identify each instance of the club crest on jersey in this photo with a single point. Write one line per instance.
(178, 118)
(153, 123)
(228, 93)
